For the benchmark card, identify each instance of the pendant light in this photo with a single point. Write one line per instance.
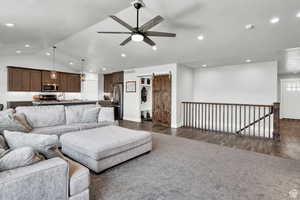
(82, 75)
(53, 74)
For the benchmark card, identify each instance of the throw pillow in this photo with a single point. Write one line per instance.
(19, 157)
(21, 118)
(43, 144)
(7, 122)
(82, 114)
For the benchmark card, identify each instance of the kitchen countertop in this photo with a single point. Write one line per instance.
(63, 102)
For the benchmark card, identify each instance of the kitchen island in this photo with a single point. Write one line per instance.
(14, 104)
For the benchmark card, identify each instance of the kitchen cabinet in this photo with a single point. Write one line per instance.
(118, 77)
(46, 79)
(108, 83)
(31, 80)
(63, 83)
(23, 80)
(35, 80)
(111, 79)
(73, 83)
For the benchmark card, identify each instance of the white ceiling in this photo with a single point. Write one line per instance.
(221, 22)
(42, 23)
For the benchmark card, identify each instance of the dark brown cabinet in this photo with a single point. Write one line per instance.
(30, 80)
(111, 79)
(108, 83)
(20, 79)
(73, 83)
(118, 77)
(35, 80)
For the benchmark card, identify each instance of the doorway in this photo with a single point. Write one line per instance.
(290, 98)
(146, 98)
(161, 105)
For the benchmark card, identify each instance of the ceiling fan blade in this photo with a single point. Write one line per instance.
(150, 24)
(126, 41)
(122, 23)
(149, 41)
(114, 32)
(159, 34)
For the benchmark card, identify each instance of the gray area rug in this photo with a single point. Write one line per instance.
(183, 169)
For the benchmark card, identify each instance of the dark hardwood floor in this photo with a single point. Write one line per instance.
(287, 147)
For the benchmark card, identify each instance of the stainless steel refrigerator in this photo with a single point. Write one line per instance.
(118, 99)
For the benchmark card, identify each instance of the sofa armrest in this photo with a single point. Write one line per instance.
(44, 180)
(106, 114)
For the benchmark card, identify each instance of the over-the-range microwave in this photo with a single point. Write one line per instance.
(50, 88)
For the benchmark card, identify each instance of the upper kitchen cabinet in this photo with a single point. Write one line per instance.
(73, 83)
(118, 77)
(46, 79)
(31, 80)
(111, 79)
(35, 80)
(108, 83)
(21, 79)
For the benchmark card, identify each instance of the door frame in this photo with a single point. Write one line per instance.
(282, 81)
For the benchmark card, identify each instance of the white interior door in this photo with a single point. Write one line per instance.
(290, 98)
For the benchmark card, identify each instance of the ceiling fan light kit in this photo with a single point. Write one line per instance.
(137, 37)
(140, 33)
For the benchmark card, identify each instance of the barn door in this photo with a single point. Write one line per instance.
(162, 100)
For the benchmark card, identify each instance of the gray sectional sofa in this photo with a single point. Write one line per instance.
(56, 178)
(59, 120)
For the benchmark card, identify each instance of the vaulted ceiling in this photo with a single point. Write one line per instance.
(72, 25)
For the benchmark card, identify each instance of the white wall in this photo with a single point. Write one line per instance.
(34, 61)
(100, 86)
(254, 83)
(132, 100)
(185, 79)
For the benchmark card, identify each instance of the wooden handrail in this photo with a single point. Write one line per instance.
(230, 104)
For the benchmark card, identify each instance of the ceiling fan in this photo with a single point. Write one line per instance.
(141, 33)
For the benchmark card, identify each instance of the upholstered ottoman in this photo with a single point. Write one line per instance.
(104, 147)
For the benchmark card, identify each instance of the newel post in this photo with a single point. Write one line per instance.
(276, 123)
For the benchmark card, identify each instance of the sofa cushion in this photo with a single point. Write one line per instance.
(106, 114)
(19, 157)
(43, 116)
(105, 141)
(55, 130)
(43, 144)
(9, 122)
(82, 114)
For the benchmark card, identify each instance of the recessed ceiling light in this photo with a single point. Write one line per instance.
(48, 54)
(248, 61)
(103, 69)
(249, 26)
(10, 25)
(123, 55)
(27, 45)
(205, 65)
(154, 48)
(298, 15)
(71, 63)
(274, 20)
(200, 37)
(18, 51)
